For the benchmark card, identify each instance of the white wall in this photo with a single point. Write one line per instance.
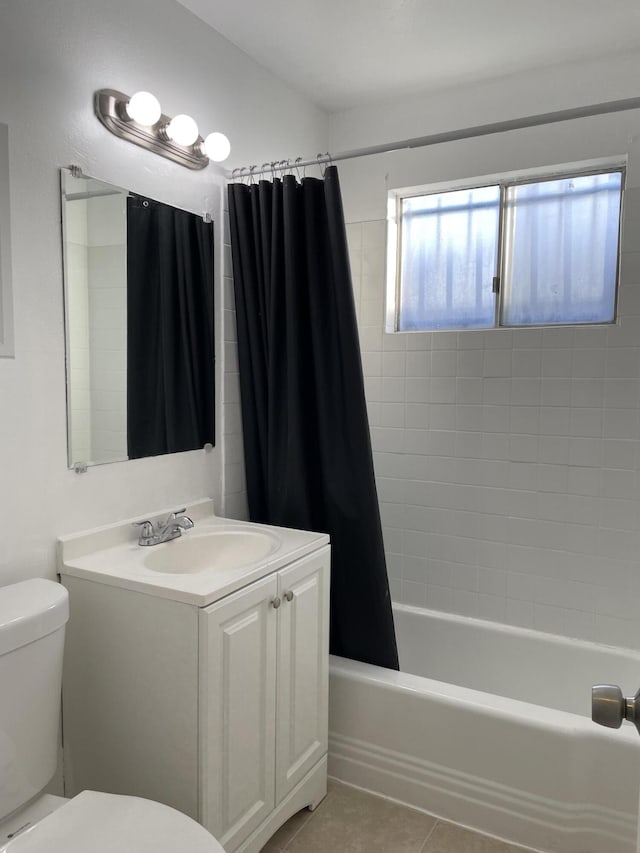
(508, 462)
(53, 56)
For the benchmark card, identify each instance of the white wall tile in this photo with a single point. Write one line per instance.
(418, 362)
(392, 390)
(497, 363)
(620, 423)
(587, 392)
(585, 452)
(443, 362)
(421, 390)
(393, 363)
(623, 363)
(416, 415)
(588, 363)
(556, 362)
(555, 392)
(621, 393)
(619, 453)
(526, 362)
(508, 468)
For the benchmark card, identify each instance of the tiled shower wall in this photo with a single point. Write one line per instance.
(508, 461)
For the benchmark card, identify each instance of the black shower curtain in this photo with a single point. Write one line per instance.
(306, 434)
(170, 375)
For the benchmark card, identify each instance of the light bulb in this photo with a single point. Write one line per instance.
(217, 147)
(144, 108)
(182, 129)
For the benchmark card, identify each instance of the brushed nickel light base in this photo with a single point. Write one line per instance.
(110, 108)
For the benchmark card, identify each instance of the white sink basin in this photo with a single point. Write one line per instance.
(193, 553)
(218, 557)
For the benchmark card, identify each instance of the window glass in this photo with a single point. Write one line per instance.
(448, 258)
(552, 243)
(561, 251)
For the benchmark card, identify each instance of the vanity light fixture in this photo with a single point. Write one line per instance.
(144, 108)
(217, 147)
(140, 120)
(183, 130)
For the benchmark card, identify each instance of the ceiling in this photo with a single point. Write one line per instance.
(343, 53)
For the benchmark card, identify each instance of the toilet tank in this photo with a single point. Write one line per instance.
(33, 614)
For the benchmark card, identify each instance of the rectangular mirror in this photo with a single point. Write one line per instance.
(138, 285)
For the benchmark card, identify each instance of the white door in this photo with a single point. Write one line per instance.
(303, 669)
(237, 712)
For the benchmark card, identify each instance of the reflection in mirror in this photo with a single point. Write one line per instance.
(6, 302)
(139, 320)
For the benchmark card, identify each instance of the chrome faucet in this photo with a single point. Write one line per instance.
(163, 531)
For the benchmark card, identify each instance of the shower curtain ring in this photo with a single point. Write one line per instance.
(320, 158)
(297, 167)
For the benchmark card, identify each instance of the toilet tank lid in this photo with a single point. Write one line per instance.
(30, 610)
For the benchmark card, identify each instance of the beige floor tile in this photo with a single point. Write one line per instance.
(352, 821)
(286, 832)
(449, 838)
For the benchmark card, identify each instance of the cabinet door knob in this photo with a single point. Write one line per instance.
(275, 602)
(288, 595)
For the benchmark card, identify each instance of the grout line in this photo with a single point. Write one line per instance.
(423, 849)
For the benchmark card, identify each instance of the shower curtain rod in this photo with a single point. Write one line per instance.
(447, 136)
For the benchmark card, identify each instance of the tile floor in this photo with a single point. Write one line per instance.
(352, 821)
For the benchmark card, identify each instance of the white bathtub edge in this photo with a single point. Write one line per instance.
(484, 703)
(539, 777)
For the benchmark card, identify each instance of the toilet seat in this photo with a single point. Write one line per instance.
(94, 822)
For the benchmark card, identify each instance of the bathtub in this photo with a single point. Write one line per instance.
(490, 726)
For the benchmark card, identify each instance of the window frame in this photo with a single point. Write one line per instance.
(395, 197)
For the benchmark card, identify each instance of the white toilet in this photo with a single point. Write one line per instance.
(33, 615)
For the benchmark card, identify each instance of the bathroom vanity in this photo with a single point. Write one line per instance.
(196, 671)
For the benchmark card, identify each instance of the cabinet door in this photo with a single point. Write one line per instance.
(303, 669)
(237, 712)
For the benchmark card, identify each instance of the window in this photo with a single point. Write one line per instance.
(539, 250)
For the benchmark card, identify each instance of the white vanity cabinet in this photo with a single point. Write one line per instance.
(215, 704)
(263, 695)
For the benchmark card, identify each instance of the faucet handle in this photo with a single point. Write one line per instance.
(178, 519)
(179, 513)
(173, 515)
(146, 530)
